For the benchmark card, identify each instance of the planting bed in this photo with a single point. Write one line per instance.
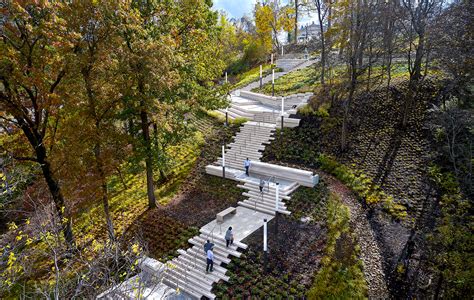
(395, 159)
(292, 261)
(163, 235)
(309, 202)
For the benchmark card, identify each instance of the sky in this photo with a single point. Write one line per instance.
(235, 8)
(238, 8)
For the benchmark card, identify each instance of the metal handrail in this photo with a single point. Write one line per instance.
(211, 233)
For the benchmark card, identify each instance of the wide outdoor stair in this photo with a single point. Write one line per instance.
(287, 64)
(188, 271)
(265, 201)
(248, 143)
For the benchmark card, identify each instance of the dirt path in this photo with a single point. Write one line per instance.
(370, 251)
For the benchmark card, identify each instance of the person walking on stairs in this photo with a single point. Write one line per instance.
(210, 260)
(261, 185)
(208, 246)
(229, 237)
(247, 166)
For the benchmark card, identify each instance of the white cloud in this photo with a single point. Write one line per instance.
(235, 8)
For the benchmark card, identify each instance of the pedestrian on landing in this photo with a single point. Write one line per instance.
(208, 246)
(210, 260)
(262, 184)
(247, 166)
(229, 237)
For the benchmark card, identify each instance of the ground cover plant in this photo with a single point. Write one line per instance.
(250, 76)
(294, 256)
(309, 203)
(308, 79)
(341, 274)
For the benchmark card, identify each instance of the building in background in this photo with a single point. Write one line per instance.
(308, 32)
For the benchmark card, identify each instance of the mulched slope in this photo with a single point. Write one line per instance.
(396, 159)
(294, 256)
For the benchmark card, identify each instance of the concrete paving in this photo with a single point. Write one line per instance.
(244, 223)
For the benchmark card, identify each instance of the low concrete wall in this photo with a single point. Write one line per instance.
(304, 178)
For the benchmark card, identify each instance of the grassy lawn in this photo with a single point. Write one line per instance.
(307, 79)
(299, 81)
(250, 76)
(126, 204)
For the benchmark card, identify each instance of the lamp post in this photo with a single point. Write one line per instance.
(271, 60)
(225, 77)
(223, 161)
(261, 73)
(281, 50)
(273, 82)
(282, 111)
(265, 250)
(277, 196)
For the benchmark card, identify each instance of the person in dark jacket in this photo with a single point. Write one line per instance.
(229, 237)
(208, 246)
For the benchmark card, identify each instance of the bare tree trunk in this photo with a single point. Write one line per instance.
(105, 198)
(58, 198)
(149, 157)
(296, 21)
(97, 150)
(323, 44)
(370, 67)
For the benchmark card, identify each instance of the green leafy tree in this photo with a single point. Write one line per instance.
(35, 51)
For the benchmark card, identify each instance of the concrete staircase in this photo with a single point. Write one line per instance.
(188, 271)
(287, 64)
(248, 142)
(265, 201)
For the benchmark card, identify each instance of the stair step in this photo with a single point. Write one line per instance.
(270, 202)
(186, 277)
(219, 246)
(196, 273)
(192, 290)
(268, 195)
(199, 269)
(256, 191)
(260, 209)
(270, 206)
(201, 262)
(218, 258)
(236, 243)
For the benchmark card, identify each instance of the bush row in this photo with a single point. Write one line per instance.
(363, 186)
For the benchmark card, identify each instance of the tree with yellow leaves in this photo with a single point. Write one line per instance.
(270, 18)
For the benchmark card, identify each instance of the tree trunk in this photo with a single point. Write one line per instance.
(97, 150)
(323, 44)
(296, 21)
(148, 157)
(105, 197)
(58, 198)
(418, 56)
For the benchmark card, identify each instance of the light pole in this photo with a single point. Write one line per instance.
(273, 82)
(223, 160)
(271, 60)
(225, 77)
(265, 250)
(282, 112)
(277, 196)
(261, 73)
